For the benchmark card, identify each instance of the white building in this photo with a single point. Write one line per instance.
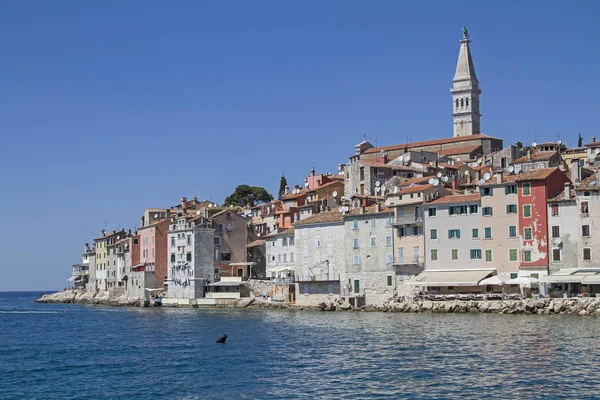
(320, 257)
(280, 252)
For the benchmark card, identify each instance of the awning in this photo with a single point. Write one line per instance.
(290, 268)
(591, 280)
(239, 264)
(456, 277)
(71, 279)
(153, 290)
(225, 283)
(562, 278)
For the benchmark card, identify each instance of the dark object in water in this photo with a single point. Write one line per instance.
(222, 338)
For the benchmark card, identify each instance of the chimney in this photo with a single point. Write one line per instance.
(129, 232)
(183, 201)
(562, 166)
(195, 198)
(454, 184)
(142, 222)
(377, 208)
(593, 139)
(340, 168)
(103, 232)
(312, 172)
(567, 190)
(575, 171)
(478, 175)
(361, 210)
(499, 177)
(529, 154)
(87, 247)
(287, 189)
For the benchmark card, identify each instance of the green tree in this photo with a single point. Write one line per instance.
(519, 145)
(247, 195)
(282, 185)
(579, 141)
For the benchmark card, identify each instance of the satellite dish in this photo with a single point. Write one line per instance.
(486, 176)
(559, 142)
(467, 173)
(258, 234)
(198, 212)
(436, 182)
(445, 179)
(156, 215)
(377, 189)
(597, 151)
(229, 227)
(341, 210)
(382, 152)
(118, 237)
(481, 182)
(346, 208)
(334, 194)
(511, 169)
(377, 183)
(533, 144)
(306, 184)
(439, 174)
(458, 159)
(430, 181)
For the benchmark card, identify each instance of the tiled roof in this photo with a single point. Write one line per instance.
(325, 185)
(109, 234)
(590, 183)
(291, 195)
(412, 189)
(336, 177)
(535, 174)
(561, 197)
(537, 156)
(429, 143)
(415, 180)
(461, 198)
(459, 150)
(447, 166)
(593, 144)
(321, 218)
(370, 210)
(257, 242)
(289, 231)
(365, 196)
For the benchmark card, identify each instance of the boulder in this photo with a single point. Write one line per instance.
(591, 308)
(540, 304)
(427, 305)
(345, 306)
(495, 306)
(583, 313)
(244, 302)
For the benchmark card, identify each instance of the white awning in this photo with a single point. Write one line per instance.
(562, 278)
(153, 290)
(225, 283)
(456, 277)
(71, 279)
(591, 280)
(241, 264)
(290, 268)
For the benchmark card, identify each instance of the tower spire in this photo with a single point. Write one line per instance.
(465, 92)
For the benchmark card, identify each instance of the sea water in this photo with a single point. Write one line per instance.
(67, 351)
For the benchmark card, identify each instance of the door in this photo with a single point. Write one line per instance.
(416, 254)
(356, 286)
(401, 255)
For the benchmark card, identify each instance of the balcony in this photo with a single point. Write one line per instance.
(318, 277)
(408, 220)
(418, 261)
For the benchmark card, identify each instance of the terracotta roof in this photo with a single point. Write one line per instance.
(337, 177)
(561, 197)
(535, 174)
(506, 178)
(289, 231)
(321, 218)
(590, 183)
(365, 196)
(415, 180)
(257, 242)
(462, 198)
(109, 234)
(370, 210)
(459, 150)
(447, 166)
(537, 156)
(485, 168)
(325, 185)
(429, 143)
(412, 189)
(593, 144)
(292, 195)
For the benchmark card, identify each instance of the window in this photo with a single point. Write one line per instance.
(487, 232)
(473, 209)
(587, 193)
(584, 207)
(355, 224)
(486, 191)
(527, 189)
(432, 211)
(585, 230)
(355, 260)
(416, 230)
(401, 232)
(512, 231)
(173, 241)
(188, 257)
(317, 242)
(433, 234)
(555, 231)
(373, 223)
(527, 255)
(512, 255)
(291, 241)
(514, 275)
(355, 243)
(587, 254)
(453, 233)
(434, 254)
(488, 255)
(292, 257)
(527, 210)
(511, 208)
(555, 254)
(554, 208)
(172, 257)
(373, 241)
(284, 257)
(475, 254)
(388, 240)
(463, 210)
(455, 254)
(487, 211)
(510, 189)
(218, 241)
(389, 280)
(389, 258)
(388, 221)
(284, 242)
(453, 210)
(475, 233)
(527, 234)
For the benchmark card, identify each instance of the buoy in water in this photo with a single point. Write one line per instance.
(222, 338)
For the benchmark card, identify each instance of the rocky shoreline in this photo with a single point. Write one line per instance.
(579, 306)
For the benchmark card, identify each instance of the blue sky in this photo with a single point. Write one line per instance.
(107, 108)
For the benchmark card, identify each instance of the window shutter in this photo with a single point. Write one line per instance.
(449, 233)
(458, 233)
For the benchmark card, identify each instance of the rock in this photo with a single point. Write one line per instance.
(427, 305)
(495, 306)
(345, 306)
(591, 308)
(540, 311)
(540, 304)
(559, 307)
(552, 303)
(414, 308)
(583, 313)
(245, 302)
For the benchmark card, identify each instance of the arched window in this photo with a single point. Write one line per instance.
(456, 103)
(467, 101)
(462, 103)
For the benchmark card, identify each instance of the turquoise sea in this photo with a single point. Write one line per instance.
(131, 353)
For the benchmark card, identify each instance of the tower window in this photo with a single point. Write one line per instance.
(456, 103)
(462, 103)
(467, 101)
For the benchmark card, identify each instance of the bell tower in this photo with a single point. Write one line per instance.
(465, 92)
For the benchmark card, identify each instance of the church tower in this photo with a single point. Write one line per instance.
(465, 92)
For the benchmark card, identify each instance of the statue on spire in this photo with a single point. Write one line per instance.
(465, 32)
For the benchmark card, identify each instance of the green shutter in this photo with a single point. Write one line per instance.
(458, 233)
(389, 281)
(449, 233)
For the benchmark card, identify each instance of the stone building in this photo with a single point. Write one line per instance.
(320, 255)
(465, 93)
(230, 244)
(537, 160)
(281, 254)
(191, 256)
(368, 276)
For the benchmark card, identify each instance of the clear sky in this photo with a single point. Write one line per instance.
(109, 107)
